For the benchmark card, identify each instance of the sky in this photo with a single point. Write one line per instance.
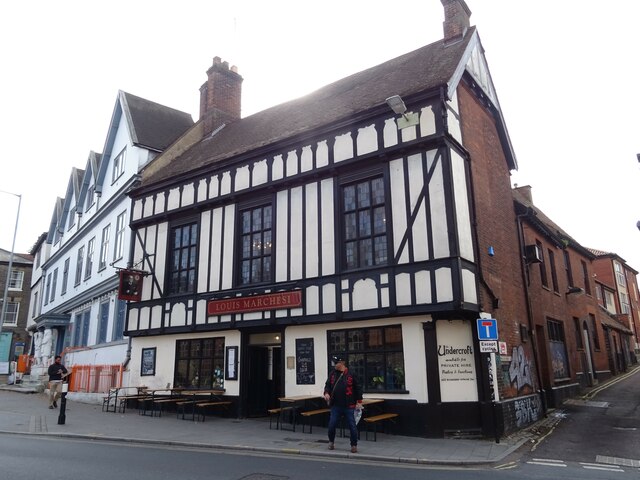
(566, 75)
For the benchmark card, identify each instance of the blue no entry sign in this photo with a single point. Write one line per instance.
(487, 329)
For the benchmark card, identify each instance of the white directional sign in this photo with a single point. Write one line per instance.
(488, 346)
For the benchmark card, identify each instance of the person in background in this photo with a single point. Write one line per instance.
(344, 395)
(57, 371)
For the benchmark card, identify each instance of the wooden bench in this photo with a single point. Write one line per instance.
(274, 413)
(114, 399)
(375, 420)
(312, 413)
(202, 406)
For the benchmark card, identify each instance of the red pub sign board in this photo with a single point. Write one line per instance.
(255, 303)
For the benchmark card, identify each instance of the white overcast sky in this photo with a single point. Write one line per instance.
(566, 73)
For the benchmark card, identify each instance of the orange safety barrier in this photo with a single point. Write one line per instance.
(95, 378)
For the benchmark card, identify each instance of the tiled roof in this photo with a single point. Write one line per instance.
(424, 69)
(155, 126)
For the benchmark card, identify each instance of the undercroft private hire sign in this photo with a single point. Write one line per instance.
(255, 303)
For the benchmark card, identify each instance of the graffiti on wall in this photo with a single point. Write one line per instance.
(520, 369)
(527, 410)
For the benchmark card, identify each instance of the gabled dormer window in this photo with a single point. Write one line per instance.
(91, 193)
(72, 218)
(118, 165)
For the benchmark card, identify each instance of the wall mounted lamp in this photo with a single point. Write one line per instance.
(396, 104)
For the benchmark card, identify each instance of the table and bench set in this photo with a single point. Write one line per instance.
(188, 404)
(305, 408)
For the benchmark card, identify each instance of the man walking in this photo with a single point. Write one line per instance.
(343, 394)
(57, 371)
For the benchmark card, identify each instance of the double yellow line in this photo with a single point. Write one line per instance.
(604, 386)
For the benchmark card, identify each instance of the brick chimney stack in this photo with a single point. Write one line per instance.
(456, 20)
(220, 95)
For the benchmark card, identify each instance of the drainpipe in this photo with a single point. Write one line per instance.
(523, 267)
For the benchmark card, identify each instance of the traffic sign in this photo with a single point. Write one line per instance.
(488, 346)
(487, 328)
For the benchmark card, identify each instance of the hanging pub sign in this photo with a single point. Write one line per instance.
(130, 285)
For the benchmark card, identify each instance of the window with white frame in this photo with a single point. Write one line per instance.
(65, 276)
(53, 285)
(11, 313)
(624, 303)
(48, 290)
(16, 280)
(89, 263)
(104, 247)
(79, 261)
(118, 165)
(119, 240)
(34, 310)
(619, 274)
(91, 194)
(72, 218)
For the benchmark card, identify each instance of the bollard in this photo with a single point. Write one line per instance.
(63, 404)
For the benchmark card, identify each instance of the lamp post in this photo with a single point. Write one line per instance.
(13, 244)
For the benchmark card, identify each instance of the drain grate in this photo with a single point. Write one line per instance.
(626, 462)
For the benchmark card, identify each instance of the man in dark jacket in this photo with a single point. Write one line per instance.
(57, 371)
(343, 394)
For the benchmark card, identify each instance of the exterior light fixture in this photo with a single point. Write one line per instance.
(396, 104)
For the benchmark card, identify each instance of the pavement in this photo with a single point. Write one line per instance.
(22, 413)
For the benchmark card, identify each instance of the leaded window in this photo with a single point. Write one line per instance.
(364, 224)
(374, 355)
(199, 363)
(183, 261)
(256, 244)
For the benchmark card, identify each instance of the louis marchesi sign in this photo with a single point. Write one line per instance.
(130, 285)
(255, 303)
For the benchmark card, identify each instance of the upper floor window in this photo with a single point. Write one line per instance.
(65, 276)
(38, 253)
(11, 313)
(16, 280)
(183, 258)
(119, 240)
(53, 284)
(543, 268)
(89, 264)
(91, 194)
(104, 247)
(567, 267)
(624, 303)
(72, 218)
(586, 278)
(609, 302)
(365, 224)
(79, 261)
(554, 273)
(256, 245)
(619, 274)
(34, 309)
(47, 292)
(118, 165)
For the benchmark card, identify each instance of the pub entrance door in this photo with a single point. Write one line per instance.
(264, 382)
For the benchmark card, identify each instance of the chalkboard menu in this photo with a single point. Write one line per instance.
(305, 365)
